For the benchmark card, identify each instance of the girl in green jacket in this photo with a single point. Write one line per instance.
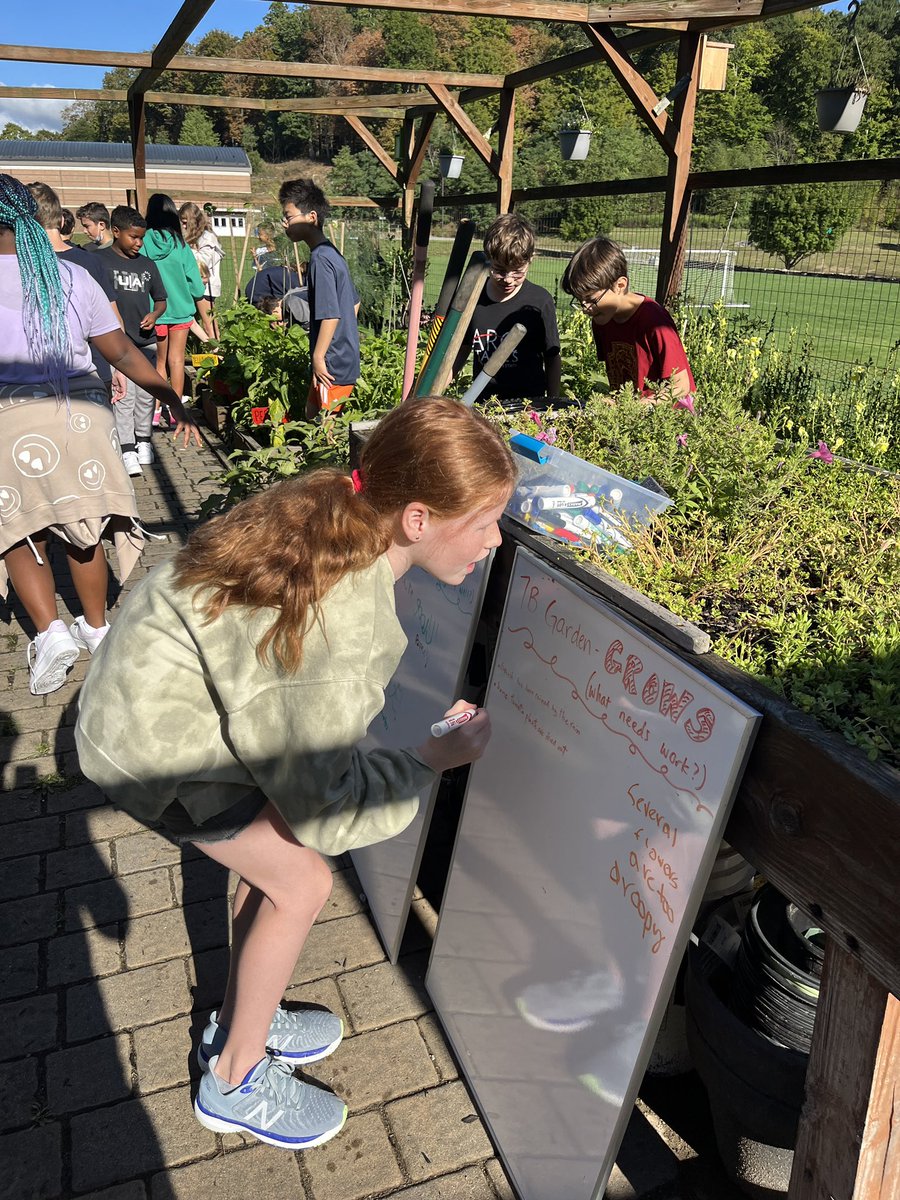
(164, 243)
(258, 658)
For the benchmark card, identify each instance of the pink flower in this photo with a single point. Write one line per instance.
(686, 402)
(823, 452)
(681, 439)
(536, 418)
(546, 435)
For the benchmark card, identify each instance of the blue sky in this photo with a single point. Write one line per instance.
(62, 24)
(59, 27)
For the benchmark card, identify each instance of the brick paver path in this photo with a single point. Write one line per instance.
(114, 951)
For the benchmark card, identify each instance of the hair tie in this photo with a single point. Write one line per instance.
(357, 480)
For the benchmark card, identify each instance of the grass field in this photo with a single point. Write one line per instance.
(849, 320)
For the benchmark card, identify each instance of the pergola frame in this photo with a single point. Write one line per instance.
(835, 1147)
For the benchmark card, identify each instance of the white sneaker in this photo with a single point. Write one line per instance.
(132, 462)
(86, 636)
(145, 455)
(49, 657)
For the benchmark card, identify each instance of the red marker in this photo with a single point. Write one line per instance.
(439, 728)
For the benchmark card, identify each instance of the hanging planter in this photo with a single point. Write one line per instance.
(575, 144)
(450, 163)
(575, 132)
(839, 108)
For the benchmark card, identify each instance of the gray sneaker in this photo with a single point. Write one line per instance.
(298, 1035)
(270, 1104)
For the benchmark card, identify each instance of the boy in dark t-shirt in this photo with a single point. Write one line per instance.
(533, 369)
(333, 300)
(635, 337)
(141, 299)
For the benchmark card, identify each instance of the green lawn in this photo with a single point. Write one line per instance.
(849, 320)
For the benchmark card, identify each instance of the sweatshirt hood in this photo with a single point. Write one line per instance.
(159, 243)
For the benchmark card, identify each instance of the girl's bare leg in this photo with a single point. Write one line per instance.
(177, 340)
(283, 888)
(90, 575)
(32, 581)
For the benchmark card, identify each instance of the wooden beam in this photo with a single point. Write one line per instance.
(51, 93)
(372, 143)
(629, 11)
(249, 66)
(416, 159)
(466, 127)
(524, 10)
(849, 1019)
(617, 12)
(507, 125)
(678, 190)
(137, 124)
(390, 100)
(78, 58)
(878, 1177)
(182, 26)
(634, 85)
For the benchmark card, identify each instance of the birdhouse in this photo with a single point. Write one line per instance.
(714, 65)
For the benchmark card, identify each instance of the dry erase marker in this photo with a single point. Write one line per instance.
(439, 728)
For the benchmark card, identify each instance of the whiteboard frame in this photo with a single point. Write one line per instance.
(525, 557)
(390, 929)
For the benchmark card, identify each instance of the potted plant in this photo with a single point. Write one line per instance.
(575, 131)
(839, 107)
(450, 162)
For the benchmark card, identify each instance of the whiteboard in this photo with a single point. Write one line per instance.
(439, 622)
(588, 831)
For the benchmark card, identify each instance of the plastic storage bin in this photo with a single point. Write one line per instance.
(575, 502)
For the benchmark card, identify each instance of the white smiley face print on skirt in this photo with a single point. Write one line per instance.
(114, 441)
(10, 502)
(35, 455)
(80, 422)
(91, 475)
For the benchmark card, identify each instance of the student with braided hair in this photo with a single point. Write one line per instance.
(61, 471)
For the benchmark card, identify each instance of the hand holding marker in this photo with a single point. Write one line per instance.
(439, 728)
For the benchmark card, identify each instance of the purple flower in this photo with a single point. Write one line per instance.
(686, 402)
(681, 439)
(823, 452)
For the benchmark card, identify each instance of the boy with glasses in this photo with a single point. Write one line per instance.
(635, 337)
(533, 369)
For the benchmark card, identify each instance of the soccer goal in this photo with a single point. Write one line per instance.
(708, 274)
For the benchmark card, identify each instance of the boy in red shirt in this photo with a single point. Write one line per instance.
(635, 336)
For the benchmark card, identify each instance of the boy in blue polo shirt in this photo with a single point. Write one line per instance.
(333, 300)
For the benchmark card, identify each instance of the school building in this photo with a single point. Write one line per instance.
(102, 171)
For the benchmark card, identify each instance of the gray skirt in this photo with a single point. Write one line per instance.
(61, 469)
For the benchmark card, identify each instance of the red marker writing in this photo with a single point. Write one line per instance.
(439, 728)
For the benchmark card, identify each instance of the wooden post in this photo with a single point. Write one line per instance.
(507, 149)
(678, 193)
(416, 159)
(239, 271)
(137, 122)
(878, 1176)
(848, 1026)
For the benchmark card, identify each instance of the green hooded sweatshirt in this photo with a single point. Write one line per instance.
(180, 275)
(178, 708)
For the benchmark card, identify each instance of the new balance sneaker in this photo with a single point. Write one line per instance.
(50, 656)
(145, 455)
(272, 1105)
(86, 636)
(570, 1005)
(297, 1035)
(132, 463)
